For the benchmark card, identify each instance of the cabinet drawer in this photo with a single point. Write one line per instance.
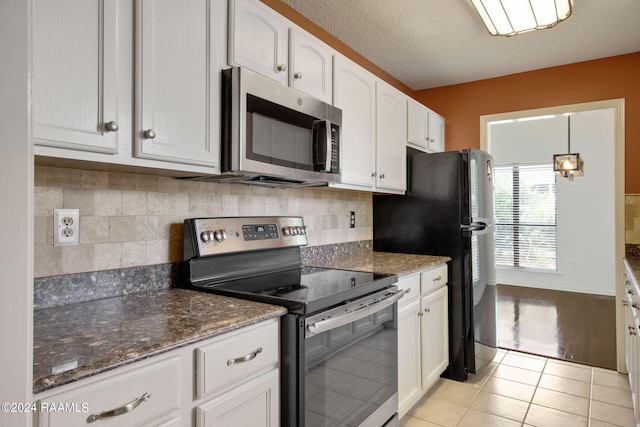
(235, 358)
(411, 287)
(433, 279)
(160, 381)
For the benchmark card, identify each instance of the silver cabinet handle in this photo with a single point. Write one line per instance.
(149, 134)
(245, 358)
(437, 279)
(111, 126)
(119, 411)
(297, 75)
(282, 67)
(406, 291)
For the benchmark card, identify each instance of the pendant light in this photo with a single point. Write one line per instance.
(568, 165)
(511, 17)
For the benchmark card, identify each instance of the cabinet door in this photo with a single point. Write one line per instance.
(436, 132)
(434, 336)
(75, 81)
(391, 138)
(258, 39)
(253, 404)
(417, 125)
(409, 377)
(177, 77)
(355, 94)
(311, 69)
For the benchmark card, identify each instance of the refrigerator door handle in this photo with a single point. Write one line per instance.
(475, 226)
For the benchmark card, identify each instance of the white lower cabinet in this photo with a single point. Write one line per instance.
(230, 387)
(631, 304)
(409, 378)
(255, 404)
(434, 337)
(423, 346)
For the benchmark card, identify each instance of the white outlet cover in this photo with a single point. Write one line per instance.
(66, 227)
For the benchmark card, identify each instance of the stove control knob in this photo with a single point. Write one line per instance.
(206, 236)
(298, 230)
(219, 235)
(286, 231)
(303, 230)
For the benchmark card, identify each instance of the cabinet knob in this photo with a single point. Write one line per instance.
(373, 174)
(427, 310)
(111, 126)
(297, 75)
(149, 134)
(632, 330)
(282, 67)
(381, 176)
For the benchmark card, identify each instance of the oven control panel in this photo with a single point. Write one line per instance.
(211, 236)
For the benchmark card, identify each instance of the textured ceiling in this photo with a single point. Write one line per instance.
(433, 43)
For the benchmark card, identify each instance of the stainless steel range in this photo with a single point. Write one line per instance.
(339, 338)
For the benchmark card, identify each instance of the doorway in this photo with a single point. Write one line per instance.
(589, 259)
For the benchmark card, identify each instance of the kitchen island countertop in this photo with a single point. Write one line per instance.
(79, 340)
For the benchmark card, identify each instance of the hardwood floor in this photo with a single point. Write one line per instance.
(562, 325)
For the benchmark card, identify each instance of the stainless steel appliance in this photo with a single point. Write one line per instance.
(339, 338)
(274, 135)
(448, 210)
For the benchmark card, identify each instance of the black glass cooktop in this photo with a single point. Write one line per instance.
(303, 290)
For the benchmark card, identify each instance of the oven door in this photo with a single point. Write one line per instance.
(351, 363)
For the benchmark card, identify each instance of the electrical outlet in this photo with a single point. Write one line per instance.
(66, 225)
(352, 221)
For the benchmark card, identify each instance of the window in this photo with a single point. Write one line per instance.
(525, 209)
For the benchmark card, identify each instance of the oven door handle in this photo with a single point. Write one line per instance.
(333, 322)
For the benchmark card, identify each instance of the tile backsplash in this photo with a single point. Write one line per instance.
(129, 219)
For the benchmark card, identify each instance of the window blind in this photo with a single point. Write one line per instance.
(525, 209)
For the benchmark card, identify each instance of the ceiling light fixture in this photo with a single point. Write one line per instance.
(568, 165)
(511, 17)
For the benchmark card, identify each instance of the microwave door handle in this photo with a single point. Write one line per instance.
(327, 163)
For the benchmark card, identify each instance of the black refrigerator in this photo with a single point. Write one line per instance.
(448, 211)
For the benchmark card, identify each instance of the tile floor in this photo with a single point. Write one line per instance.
(518, 389)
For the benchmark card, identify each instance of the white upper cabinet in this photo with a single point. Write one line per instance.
(75, 78)
(391, 137)
(264, 41)
(311, 68)
(258, 39)
(374, 132)
(98, 99)
(355, 94)
(425, 128)
(177, 82)
(436, 132)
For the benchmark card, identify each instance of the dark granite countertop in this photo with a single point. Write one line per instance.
(76, 341)
(383, 262)
(79, 340)
(634, 263)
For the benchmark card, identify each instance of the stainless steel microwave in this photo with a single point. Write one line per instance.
(276, 136)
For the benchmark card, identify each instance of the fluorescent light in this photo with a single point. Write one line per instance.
(511, 17)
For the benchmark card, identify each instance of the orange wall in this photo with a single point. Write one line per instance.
(463, 104)
(608, 78)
